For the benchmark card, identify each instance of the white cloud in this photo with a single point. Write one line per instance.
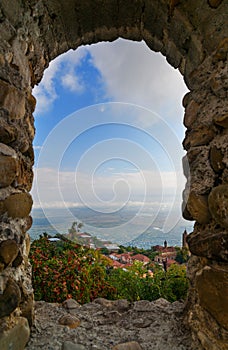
(63, 67)
(54, 188)
(133, 73)
(71, 82)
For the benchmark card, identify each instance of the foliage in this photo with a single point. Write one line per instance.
(135, 283)
(182, 255)
(63, 269)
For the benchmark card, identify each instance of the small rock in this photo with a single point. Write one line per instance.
(143, 305)
(133, 345)
(141, 323)
(70, 304)
(70, 321)
(161, 302)
(121, 305)
(67, 345)
(104, 302)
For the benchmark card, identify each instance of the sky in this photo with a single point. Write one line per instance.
(109, 129)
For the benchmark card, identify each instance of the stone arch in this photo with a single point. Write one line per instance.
(192, 36)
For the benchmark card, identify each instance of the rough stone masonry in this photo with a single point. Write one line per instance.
(193, 35)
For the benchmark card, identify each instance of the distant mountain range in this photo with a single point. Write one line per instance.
(156, 236)
(97, 224)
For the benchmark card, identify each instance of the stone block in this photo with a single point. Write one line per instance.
(8, 133)
(211, 244)
(8, 169)
(191, 113)
(8, 251)
(218, 204)
(12, 99)
(197, 206)
(10, 299)
(18, 205)
(198, 137)
(212, 286)
(216, 159)
(16, 337)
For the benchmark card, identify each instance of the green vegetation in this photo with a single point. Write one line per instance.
(63, 269)
(137, 284)
(182, 255)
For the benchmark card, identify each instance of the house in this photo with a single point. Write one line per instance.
(165, 256)
(142, 258)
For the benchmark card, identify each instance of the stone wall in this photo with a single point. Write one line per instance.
(193, 37)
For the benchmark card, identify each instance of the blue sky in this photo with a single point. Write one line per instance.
(109, 129)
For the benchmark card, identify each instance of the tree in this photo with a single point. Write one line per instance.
(182, 255)
(75, 228)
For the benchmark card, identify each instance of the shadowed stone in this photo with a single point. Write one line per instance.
(222, 120)
(27, 309)
(218, 204)
(18, 260)
(197, 206)
(216, 159)
(8, 133)
(12, 100)
(214, 3)
(8, 251)
(221, 52)
(10, 299)
(212, 285)
(213, 245)
(8, 165)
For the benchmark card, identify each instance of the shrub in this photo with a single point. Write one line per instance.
(64, 270)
